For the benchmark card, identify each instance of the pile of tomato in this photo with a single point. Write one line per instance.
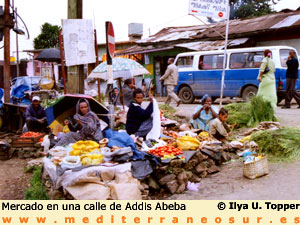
(27, 135)
(165, 150)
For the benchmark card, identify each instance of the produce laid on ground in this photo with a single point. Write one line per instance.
(280, 144)
(250, 114)
(166, 150)
(83, 147)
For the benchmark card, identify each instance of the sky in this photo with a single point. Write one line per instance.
(154, 14)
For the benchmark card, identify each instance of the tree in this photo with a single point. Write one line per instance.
(48, 38)
(249, 8)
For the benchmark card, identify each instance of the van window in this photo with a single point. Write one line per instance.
(208, 62)
(246, 60)
(284, 54)
(185, 61)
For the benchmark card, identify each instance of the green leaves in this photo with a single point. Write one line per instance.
(48, 38)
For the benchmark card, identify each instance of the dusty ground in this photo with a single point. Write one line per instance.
(282, 182)
(13, 180)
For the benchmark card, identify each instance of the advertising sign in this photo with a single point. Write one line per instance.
(209, 8)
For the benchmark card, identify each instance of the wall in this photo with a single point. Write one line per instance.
(290, 42)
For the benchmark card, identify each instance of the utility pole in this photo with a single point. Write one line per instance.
(6, 32)
(75, 73)
(17, 44)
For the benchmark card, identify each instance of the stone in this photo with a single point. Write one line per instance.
(176, 163)
(180, 189)
(201, 167)
(153, 184)
(29, 149)
(203, 174)
(176, 170)
(163, 169)
(172, 186)
(213, 169)
(189, 174)
(226, 156)
(209, 153)
(201, 157)
(210, 162)
(167, 179)
(20, 155)
(191, 164)
(196, 179)
(182, 178)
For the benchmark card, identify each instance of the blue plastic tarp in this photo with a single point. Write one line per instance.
(19, 92)
(1, 96)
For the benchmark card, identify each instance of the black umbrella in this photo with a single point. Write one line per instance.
(49, 55)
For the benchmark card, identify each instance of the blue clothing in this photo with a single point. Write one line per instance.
(204, 120)
(136, 116)
(34, 115)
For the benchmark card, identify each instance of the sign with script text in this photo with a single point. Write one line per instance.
(209, 8)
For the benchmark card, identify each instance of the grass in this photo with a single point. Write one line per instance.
(250, 114)
(36, 191)
(280, 145)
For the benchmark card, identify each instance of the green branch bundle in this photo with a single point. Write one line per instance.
(250, 114)
(281, 144)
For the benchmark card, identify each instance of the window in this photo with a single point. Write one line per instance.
(246, 60)
(185, 61)
(208, 62)
(284, 54)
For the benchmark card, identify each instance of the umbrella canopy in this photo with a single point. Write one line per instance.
(121, 68)
(49, 55)
(65, 106)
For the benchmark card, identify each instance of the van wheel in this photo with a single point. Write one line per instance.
(249, 92)
(186, 95)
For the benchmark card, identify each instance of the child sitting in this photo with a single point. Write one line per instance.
(219, 128)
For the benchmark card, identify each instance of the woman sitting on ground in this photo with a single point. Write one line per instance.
(139, 121)
(204, 114)
(88, 125)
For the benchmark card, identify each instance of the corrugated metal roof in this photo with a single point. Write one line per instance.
(236, 27)
(211, 45)
(195, 46)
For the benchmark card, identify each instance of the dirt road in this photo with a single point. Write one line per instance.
(282, 183)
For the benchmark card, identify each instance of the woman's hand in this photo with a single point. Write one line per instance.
(259, 79)
(79, 122)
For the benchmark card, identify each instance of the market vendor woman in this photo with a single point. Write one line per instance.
(139, 121)
(204, 114)
(88, 125)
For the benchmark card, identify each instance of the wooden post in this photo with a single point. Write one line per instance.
(6, 53)
(61, 49)
(97, 63)
(121, 93)
(75, 73)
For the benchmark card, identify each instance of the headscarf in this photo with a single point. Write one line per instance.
(203, 99)
(90, 121)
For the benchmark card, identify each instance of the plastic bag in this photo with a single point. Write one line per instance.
(193, 186)
(188, 143)
(155, 131)
(70, 162)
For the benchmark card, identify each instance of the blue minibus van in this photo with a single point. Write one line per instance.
(200, 73)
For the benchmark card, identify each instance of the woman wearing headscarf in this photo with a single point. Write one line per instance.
(88, 125)
(266, 77)
(204, 114)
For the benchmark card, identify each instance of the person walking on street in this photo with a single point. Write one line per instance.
(266, 77)
(291, 80)
(170, 79)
